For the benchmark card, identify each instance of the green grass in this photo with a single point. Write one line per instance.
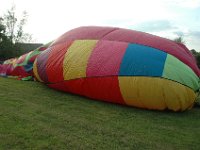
(33, 116)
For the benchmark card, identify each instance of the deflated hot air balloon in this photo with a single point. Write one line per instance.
(121, 66)
(21, 67)
(24, 65)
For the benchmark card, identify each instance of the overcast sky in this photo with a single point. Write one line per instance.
(48, 19)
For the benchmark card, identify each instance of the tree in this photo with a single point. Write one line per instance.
(10, 21)
(15, 27)
(6, 45)
(12, 33)
(197, 56)
(2, 30)
(179, 40)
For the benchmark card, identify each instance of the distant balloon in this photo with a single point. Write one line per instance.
(121, 66)
(21, 67)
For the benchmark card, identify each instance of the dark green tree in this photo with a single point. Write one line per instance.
(197, 56)
(12, 33)
(6, 45)
(179, 40)
(15, 26)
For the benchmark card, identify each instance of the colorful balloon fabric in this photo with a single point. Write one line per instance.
(21, 67)
(7, 67)
(121, 66)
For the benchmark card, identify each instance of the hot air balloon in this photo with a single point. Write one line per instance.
(121, 66)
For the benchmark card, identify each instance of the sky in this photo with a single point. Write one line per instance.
(48, 19)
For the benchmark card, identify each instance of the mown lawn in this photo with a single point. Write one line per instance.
(33, 116)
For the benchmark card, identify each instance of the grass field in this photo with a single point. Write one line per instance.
(33, 116)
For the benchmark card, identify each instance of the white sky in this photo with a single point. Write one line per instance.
(48, 19)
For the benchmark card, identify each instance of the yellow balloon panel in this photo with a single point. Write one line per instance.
(36, 71)
(156, 93)
(76, 58)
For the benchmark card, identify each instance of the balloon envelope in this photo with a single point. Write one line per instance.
(121, 66)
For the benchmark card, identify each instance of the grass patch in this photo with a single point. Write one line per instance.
(33, 116)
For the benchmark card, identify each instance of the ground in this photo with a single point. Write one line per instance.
(33, 116)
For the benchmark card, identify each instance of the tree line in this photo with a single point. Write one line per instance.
(197, 56)
(12, 33)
